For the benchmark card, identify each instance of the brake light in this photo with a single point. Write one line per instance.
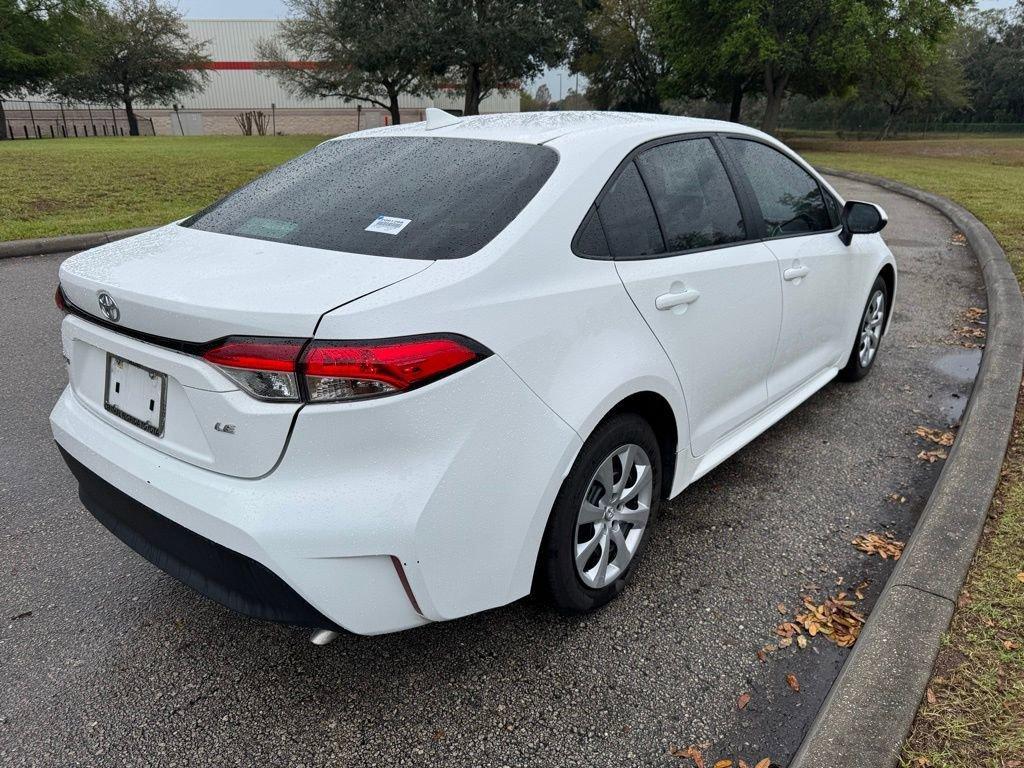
(58, 299)
(347, 371)
(265, 368)
(334, 371)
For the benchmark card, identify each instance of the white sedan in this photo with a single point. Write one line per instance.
(422, 371)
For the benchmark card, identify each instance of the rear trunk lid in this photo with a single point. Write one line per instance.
(192, 285)
(175, 289)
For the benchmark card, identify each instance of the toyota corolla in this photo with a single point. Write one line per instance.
(425, 370)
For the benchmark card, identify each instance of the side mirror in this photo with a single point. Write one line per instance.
(861, 219)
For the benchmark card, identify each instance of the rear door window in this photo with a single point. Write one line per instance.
(692, 195)
(789, 197)
(628, 218)
(405, 196)
(591, 240)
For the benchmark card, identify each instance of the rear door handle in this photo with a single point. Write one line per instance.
(670, 300)
(795, 273)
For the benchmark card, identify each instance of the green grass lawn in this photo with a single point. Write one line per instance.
(73, 186)
(974, 715)
(985, 175)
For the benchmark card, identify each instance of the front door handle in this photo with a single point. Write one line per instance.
(670, 300)
(795, 273)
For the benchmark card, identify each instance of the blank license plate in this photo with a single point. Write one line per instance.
(136, 394)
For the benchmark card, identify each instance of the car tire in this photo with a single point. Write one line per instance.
(569, 567)
(869, 333)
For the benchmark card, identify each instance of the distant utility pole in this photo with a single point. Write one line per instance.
(559, 86)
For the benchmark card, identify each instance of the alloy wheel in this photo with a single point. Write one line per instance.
(871, 328)
(613, 516)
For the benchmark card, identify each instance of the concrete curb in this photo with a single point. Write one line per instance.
(872, 704)
(42, 245)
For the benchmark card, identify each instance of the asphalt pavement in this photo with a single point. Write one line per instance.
(104, 660)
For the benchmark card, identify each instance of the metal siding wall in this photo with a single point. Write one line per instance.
(235, 40)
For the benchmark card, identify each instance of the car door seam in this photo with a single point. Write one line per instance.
(668, 357)
(779, 269)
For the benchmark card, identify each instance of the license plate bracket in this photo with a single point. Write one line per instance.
(136, 394)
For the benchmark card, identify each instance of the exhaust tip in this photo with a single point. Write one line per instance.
(323, 637)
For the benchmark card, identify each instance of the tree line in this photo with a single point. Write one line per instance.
(890, 59)
(125, 52)
(875, 62)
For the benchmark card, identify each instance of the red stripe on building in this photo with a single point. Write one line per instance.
(256, 65)
(250, 65)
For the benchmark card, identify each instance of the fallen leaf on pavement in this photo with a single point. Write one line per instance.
(974, 314)
(742, 701)
(873, 544)
(792, 682)
(743, 763)
(968, 332)
(781, 608)
(723, 764)
(801, 641)
(858, 591)
(764, 763)
(691, 752)
(897, 498)
(932, 456)
(834, 618)
(930, 695)
(937, 436)
(762, 657)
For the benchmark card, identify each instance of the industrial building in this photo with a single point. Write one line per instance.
(240, 82)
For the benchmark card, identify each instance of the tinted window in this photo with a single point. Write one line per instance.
(628, 218)
(692, 194)
(414, 197)
(833, 208)
(591, 241)
(790, 199)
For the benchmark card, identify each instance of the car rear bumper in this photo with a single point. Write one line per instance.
(230, 578)
(381, 515)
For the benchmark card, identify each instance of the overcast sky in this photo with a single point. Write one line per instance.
(275, 9)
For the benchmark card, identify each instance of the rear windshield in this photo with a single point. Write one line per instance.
(407, 196)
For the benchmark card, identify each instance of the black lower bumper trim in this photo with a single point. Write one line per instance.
(230, 578)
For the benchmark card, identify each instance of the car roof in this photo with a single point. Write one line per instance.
(542, 127)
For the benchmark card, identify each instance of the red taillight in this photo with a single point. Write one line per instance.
(333, 371)
(265, 368)
(58, 299)
(258, 354)
(351, 370)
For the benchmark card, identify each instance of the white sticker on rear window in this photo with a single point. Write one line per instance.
(388, 225)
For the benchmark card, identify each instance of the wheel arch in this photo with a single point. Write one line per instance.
(888, 275)
(656, 410)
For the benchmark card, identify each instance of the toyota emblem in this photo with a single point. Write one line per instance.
(108, 306)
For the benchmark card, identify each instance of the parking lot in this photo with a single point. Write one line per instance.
(104, 660)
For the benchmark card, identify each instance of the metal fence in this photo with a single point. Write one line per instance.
(55, 120)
